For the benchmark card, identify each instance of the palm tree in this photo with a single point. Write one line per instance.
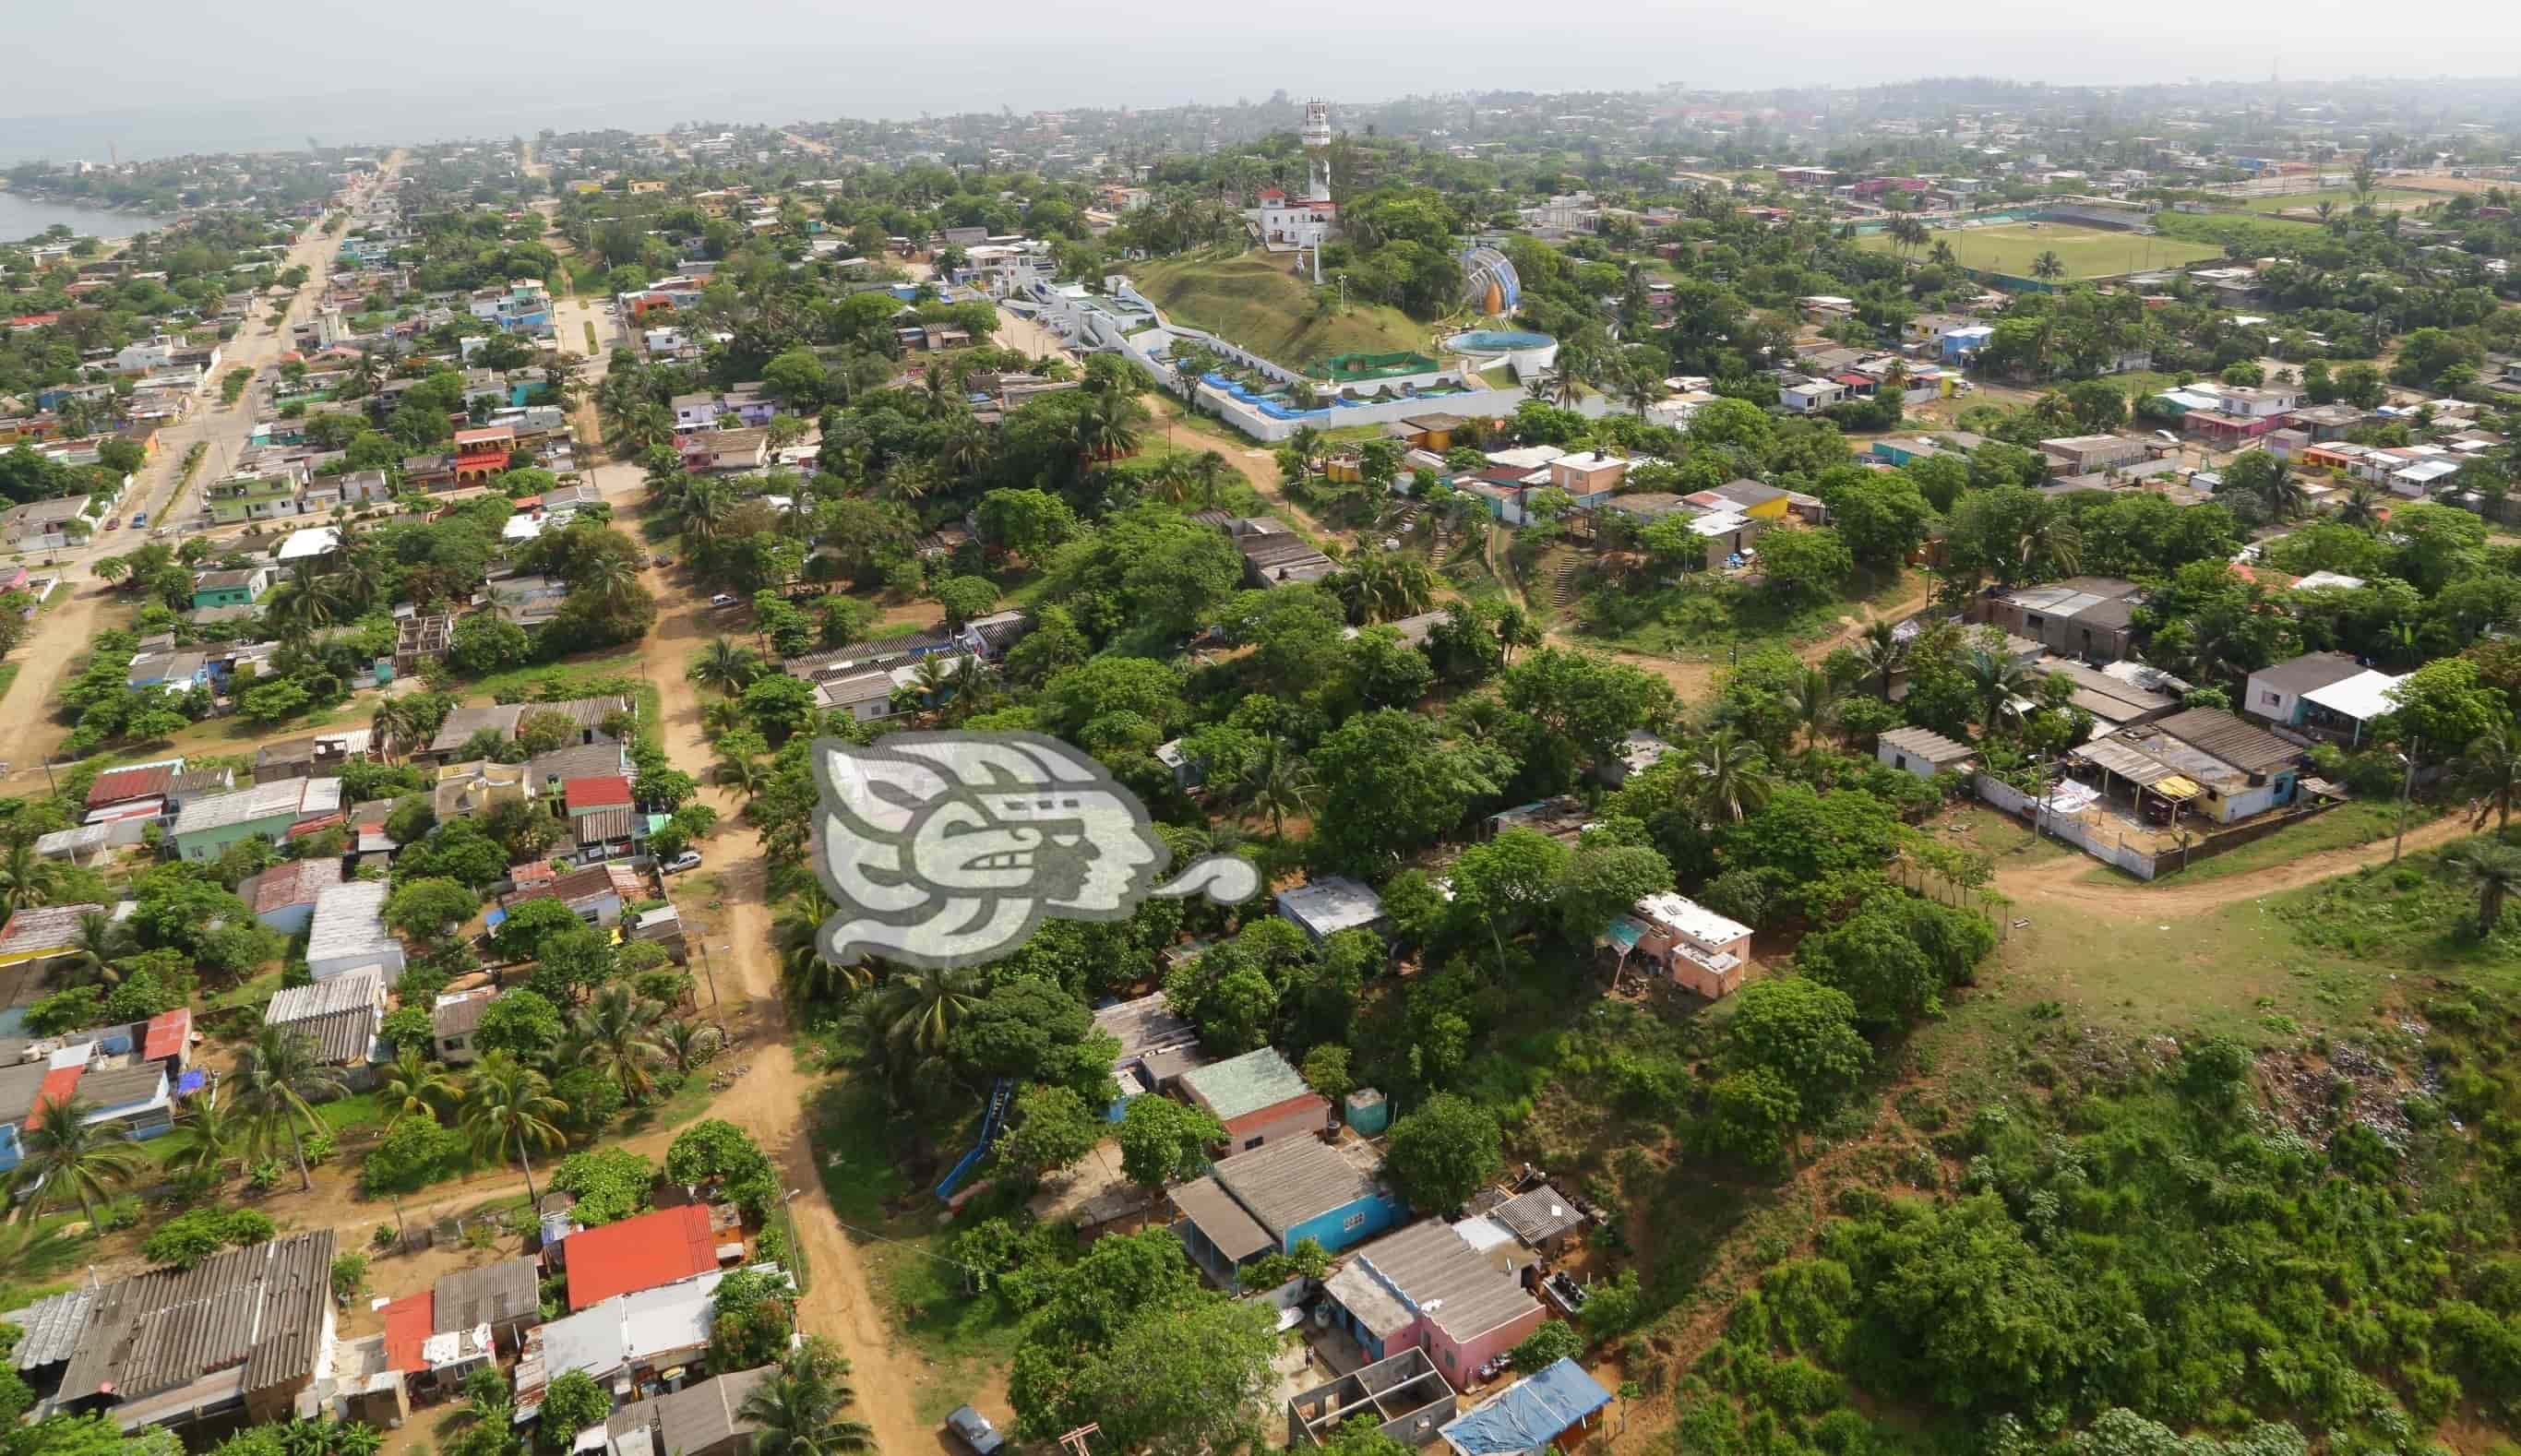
(1306, 442)
(726, 665)
(67, 1154)
(1942, 254)
(610, 576)
(212, 1135)
(508, 1110)
(2052, 545)
(702, 514)
(1732, 776)
(645, 427)
(1515, 630)
(278, 1080)
(26, 877)
(2362, 507)
(687, 1043)
(743, 773)
(613, 1032)
(1108, 428)
(918, 1011)
(906, 479)
(94, 947)
(803, 1410)
(796, 934)
(2492, 770)
(1814, 699)
(968, 447)
(1882, 652)
(1279, 783)
(1997, 679)
(418, 1084)
(1383, 586)
(2494, 868)
(1208, 470)
(2282, 495)
(2047, 265)
(1170, 481)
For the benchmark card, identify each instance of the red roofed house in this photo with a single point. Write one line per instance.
(602, 791)
(60, 1086)
(170, 1035)
(132, 785)
(653, 1249)
(482, 453)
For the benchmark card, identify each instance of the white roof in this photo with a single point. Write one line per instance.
(1691, 919)
(79, 839)
(1589, 459)
(1527, 457)
(2362, 696)
(314, 540)
(303, 797)
(1718, 523)
(1484, 1233)
(2335, 580)
(350, 921)
(522, 528)
(2427, 470)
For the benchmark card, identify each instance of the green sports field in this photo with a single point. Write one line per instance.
(2086, 252)
(2386, 198)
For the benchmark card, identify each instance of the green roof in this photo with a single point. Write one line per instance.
(1246, 1084)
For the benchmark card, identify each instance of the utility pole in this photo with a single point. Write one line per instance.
(2407, 786)
(2039, 796)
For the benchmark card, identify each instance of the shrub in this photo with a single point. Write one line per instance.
(417, 1151)
(189, 1238)
(1553, 1341)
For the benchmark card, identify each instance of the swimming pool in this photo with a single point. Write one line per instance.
(1497, 342)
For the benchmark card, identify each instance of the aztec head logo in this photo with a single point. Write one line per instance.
(947, 849)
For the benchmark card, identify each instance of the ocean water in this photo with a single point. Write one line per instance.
(24, 218)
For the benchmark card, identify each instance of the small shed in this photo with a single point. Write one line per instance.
(1329, 905)
(1921, 752)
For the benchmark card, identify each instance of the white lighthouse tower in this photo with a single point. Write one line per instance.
(1317, 150)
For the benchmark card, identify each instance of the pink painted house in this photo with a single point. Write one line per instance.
(1427, 1287)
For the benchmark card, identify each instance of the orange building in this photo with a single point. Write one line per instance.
(482, 453)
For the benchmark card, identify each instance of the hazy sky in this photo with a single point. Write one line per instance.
(275, 71)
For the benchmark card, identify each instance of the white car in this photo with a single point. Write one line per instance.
(689, 859)
(724, 599)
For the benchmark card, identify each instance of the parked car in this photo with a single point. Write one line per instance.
(660, 559)
(724, 599)
(976, 1431)
(139, 520)
(689, 859)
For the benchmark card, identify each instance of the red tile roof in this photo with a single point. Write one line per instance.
(167, 1034)
(408, 1322)
(304, 827)
(601, 791)
(638, 1253)
(293, 884)
(60, 1086)
(123, 785)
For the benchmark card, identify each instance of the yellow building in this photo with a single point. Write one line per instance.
(464, 790)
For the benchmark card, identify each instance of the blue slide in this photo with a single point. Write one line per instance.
(1000, 1094)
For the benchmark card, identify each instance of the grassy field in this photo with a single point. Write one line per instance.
(1257, 302)
(2087, 253)
(2343, 197)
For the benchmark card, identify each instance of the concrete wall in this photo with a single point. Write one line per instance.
(1297, 1116)
(2075, 832)
(1333, 1231)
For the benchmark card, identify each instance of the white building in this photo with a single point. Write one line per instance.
(348, 932)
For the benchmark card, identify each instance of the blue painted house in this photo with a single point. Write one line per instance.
(1280, 1194)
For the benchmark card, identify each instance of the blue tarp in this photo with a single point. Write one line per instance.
(1528, 1414)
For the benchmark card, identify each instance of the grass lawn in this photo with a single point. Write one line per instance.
(1711, 622)
(8, 675)
(521, 683)
(2086, 252)
(1259, 303)
(2341, 198)
(366, 1109)
(2343, 827)
(2262, 968)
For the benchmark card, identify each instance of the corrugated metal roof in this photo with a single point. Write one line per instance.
(638, 1253)
(262, 1306)
(603, 827)
(350, 921)
(1429, 1264)
(52, 1327)
(1285, 1182)
(491, 1294)
(1542, 1213)
(339, 1015)
(1222, 1220)
(1247, 1083)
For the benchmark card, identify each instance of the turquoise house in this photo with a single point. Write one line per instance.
(239, 588)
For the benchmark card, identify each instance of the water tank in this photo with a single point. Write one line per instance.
(1367, 1113)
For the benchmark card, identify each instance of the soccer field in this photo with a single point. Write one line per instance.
(2086, 252)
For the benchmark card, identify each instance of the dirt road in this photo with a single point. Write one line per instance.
(2062, 882)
